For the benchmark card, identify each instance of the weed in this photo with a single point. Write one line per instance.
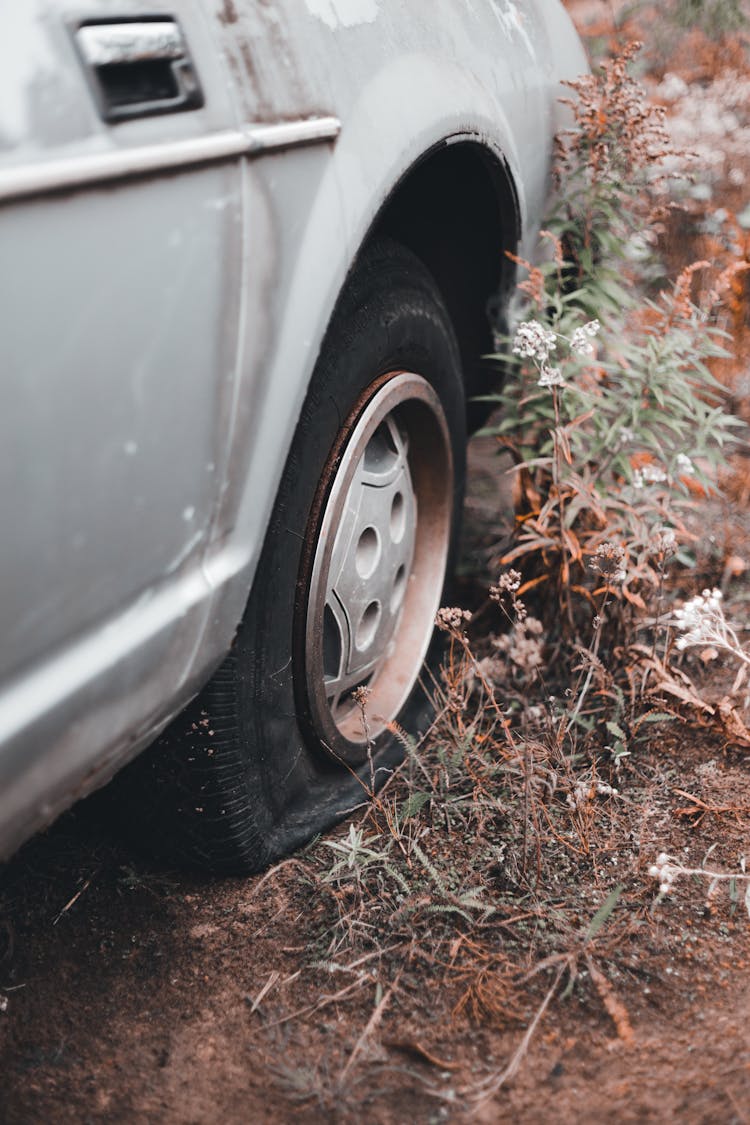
(616, 425)
(668, 870)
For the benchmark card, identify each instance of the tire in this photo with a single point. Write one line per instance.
(274, 749)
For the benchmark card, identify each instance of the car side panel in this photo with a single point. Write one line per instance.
(120, 305)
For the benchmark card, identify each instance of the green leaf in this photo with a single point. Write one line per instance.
(617, 732)
(604, 911)
(413, 804)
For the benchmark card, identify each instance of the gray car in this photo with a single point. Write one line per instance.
(247, 254)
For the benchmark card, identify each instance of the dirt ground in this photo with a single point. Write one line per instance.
(130, 993)
(134, 994)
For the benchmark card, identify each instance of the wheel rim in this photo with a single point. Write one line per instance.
(379, 561)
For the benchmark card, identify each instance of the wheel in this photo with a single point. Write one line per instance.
(373, 564)
(281, 744)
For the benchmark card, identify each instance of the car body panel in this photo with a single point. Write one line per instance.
(162, 326)
(119, 351)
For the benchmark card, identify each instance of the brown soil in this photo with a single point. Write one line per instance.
(133, 994)
(155, 996)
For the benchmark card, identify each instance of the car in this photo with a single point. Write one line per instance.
(248, 251)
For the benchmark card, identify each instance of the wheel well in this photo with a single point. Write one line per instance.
(457, 211)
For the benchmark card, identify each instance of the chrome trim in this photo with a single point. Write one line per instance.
(106, 167)
(107, 43)
(288, 134)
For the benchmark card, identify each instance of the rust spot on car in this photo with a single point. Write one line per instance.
(228, 13)
(247, 59)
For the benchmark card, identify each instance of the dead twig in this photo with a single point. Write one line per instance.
(323, 1002)
(370, 1026)
(418, 1050)
(291, 862)
(697, 809)
(71, 902)
(482, 1093)
(272, 979)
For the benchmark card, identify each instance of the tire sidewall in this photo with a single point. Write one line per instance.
(390, 319)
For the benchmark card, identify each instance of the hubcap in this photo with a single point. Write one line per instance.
(379, 563)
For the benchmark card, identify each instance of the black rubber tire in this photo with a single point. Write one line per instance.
(238, 780)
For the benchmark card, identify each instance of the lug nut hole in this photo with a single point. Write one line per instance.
(367, 554)
(368, 626)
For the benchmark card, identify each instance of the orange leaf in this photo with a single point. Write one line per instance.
(532, 583)
(633, 598)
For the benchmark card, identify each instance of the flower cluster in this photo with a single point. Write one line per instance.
(361, 694)
(507, 583)
(580, 341)
(609, 561)
(702, 621)
(649, 474)
(666, 871)
(451, 619)
(550, 377)
(619, 133)
(505, 591)
(534, 341)
(585, 790)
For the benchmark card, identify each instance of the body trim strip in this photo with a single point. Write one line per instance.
(82, 172)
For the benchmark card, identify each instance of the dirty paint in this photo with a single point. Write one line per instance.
(511, 21)
(228, 13)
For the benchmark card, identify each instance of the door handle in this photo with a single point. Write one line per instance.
(137, 68)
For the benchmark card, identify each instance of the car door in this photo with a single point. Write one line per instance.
(120, 238)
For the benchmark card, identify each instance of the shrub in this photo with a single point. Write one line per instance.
(609, 409)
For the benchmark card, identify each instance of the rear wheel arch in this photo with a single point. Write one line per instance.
(457, 209)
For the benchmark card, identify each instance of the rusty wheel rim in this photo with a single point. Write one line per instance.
(379, 562)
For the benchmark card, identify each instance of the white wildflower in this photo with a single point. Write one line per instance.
(580, 341)
(701, 620)
(550, 377)
(665, 870)
(684, 464)
(534, 341)
(649, 474)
